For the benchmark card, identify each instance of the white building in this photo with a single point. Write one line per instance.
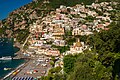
(78, 47)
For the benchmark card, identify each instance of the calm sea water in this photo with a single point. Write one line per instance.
(7, 49)
(8, 64)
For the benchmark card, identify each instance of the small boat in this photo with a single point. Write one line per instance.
(6, 58)
(5, 69)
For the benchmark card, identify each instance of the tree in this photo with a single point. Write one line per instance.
(52, 63)
(69, 61)
(60, 77)
(87, 67)
(106, 44)
(107, 41)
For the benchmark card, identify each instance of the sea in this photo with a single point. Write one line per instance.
(6, 45)
(7, 49)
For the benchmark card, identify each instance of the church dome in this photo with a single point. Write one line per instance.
(78, 43)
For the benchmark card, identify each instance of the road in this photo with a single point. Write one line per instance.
(25, 42)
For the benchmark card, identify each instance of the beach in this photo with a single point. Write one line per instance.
(34, 67)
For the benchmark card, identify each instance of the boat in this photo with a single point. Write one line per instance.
(6, 58)
(5, 69)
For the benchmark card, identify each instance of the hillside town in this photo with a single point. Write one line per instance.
(54, 27)
(50, 33)
(49, 36)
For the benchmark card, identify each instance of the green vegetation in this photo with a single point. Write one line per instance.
(1, 31)
(70, 40)
(52, 63)
(107, 41)
(53, 60)
(61, 48)
(90, 18)
(102, 63)
(69, 61)
(55, 70)
(22, 35)
(57, 3)
(87, 67)
(68, 33)
(54, 74)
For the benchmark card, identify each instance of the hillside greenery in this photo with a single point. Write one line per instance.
(102, 63)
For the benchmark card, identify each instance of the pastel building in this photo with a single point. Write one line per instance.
(76, 48)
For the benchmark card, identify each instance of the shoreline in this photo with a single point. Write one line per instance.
(16, 57)
(17, 69)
